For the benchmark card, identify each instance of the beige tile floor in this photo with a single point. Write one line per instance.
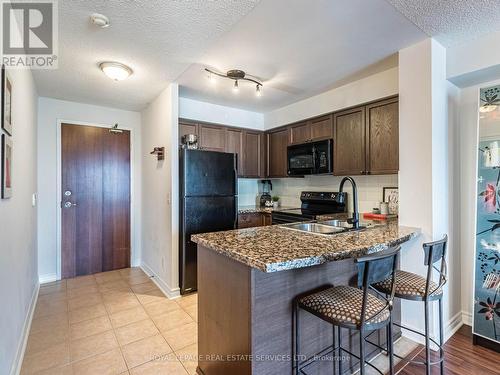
(114, 322)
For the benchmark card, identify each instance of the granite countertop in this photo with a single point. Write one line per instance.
(274, 248)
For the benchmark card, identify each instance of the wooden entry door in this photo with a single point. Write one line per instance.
(95, 201)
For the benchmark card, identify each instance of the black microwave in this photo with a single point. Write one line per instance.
(310, 158)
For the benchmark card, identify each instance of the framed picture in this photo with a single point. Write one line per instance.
(6, 166)
(6, 102)
(391, 196)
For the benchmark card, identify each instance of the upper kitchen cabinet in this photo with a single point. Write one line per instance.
(186, 127)
(253, 154)
(321, 128)
(212, 137)
(300, 133)
(234, 144)
(383, 137)
(349, 142)
(312, 130)
(277, 142)
(366, 139)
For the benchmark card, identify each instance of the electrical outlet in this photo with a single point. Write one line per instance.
(163, 263)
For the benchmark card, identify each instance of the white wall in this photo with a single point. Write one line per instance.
(427, 148)
(369, 189)
(18, 255)
(160, 191)
(364, 90)
(474, 62)
(50, 111)
(219, 114)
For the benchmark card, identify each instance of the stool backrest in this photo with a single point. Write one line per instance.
(434, 252)
(375, 268)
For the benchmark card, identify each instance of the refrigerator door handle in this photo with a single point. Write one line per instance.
(235, 171)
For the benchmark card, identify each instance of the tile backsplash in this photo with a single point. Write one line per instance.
(289, 189)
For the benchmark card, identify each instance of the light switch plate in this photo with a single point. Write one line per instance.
(33, 199)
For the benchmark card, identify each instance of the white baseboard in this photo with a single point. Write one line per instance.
(48, 278)
(165, 288)
(450, 327)
(21, 348)
(453, 325)
(467, 318)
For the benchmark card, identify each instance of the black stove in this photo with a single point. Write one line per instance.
(314, 203)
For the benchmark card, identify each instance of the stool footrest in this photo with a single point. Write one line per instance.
(310, 360)
(357, 357)
(403, 358)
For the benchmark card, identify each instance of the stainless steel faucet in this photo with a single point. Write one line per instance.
(355, 213)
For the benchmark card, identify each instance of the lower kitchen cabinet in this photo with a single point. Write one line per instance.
(254, 219)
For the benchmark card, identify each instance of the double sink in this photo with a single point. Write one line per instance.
(324, 227)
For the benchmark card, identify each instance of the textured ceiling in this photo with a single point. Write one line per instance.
(452, 21)
(159, 39)
(299, 49)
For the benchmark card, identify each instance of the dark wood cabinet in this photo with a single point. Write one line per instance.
(300, 133)
(382, 121)
(268, 219)
(366, 139)
(187, 128)
(234, 144)
(321, 128)
(277, 142)
(254, 219)
(212, 137)
(349, 142)
(312, 130)
(253, 154)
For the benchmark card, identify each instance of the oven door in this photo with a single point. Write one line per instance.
(301, 159)
(323, 156)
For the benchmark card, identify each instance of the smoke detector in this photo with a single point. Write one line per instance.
(99, 20)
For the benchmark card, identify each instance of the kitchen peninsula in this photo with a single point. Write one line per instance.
(248, 279)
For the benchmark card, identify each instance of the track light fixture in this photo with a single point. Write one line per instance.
(236, 75)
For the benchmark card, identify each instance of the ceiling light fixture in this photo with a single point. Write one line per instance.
(258, 91)
(99, 20)
(211, 78)
(491, 100)
(115, 70)
(236, 75)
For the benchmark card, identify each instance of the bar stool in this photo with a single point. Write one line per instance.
(351, 308)
(410, 286)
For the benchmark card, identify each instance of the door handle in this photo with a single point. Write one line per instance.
(69, 204)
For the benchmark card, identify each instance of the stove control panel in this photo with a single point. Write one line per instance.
(318, 196)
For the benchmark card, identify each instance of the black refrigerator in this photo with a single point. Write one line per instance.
(208, 203)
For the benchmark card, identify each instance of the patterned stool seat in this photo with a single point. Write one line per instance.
(409, 286)
(342, 305)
